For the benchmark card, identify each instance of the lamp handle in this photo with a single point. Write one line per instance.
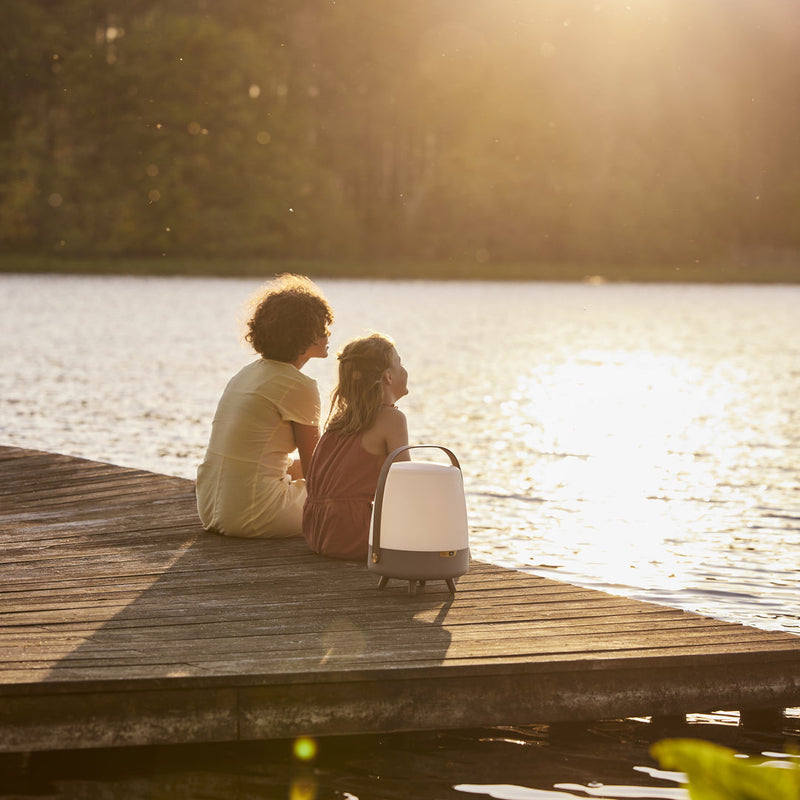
(384, 473)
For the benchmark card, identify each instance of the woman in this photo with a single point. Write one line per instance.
(247, 485)
(363, 428)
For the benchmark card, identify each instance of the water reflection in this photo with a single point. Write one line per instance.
(605, 759)
(565, 790)
(642, 439)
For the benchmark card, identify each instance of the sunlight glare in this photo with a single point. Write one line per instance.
(613, 433)
(626, 410)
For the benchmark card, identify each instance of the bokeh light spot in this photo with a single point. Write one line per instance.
(305, 748)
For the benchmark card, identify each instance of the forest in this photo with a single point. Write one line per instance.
(589, 132)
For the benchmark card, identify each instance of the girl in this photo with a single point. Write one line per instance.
(364, 426)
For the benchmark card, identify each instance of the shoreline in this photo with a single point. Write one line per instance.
(782, 271)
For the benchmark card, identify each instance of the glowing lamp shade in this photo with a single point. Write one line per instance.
(419, 529)
(423, 508)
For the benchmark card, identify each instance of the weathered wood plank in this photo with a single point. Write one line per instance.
(122, 622)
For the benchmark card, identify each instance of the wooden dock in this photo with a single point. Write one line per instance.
(122, 623)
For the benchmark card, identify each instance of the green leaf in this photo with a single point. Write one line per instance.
(716, 773)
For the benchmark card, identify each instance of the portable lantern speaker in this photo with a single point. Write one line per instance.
(419, 521)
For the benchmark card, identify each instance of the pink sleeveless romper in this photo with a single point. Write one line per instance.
(341, 483)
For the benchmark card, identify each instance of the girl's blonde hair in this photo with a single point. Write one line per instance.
(357, 399)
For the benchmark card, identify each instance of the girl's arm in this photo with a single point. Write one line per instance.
(396, 432)
(389, 432)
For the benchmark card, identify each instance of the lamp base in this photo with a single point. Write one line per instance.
(414, 584)
(417, 567)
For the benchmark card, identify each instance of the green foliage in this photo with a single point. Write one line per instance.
(569, 132)
(716, 773)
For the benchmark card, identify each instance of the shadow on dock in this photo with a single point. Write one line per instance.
(123, 623)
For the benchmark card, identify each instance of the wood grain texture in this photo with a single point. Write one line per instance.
(123, 622)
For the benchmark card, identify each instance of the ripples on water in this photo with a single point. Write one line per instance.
(603, 760)
(639, 439)
(643, 440)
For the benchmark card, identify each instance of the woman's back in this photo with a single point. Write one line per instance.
(241, 480)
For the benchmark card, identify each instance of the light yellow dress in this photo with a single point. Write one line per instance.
(243, 488)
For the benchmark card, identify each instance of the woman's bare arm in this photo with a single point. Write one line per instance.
(306, 438)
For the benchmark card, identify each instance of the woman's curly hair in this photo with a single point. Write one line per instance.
(288, 316)
(357, 398)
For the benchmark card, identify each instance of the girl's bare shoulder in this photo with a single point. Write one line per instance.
(390, 425)
(390, 416)
(387, 433)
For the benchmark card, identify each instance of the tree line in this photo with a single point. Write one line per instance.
(571, 131)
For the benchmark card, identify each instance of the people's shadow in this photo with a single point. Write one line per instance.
(166, 605)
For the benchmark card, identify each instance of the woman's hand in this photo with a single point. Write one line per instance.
(295, 470)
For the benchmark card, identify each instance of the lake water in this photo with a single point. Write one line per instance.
(639, 439)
